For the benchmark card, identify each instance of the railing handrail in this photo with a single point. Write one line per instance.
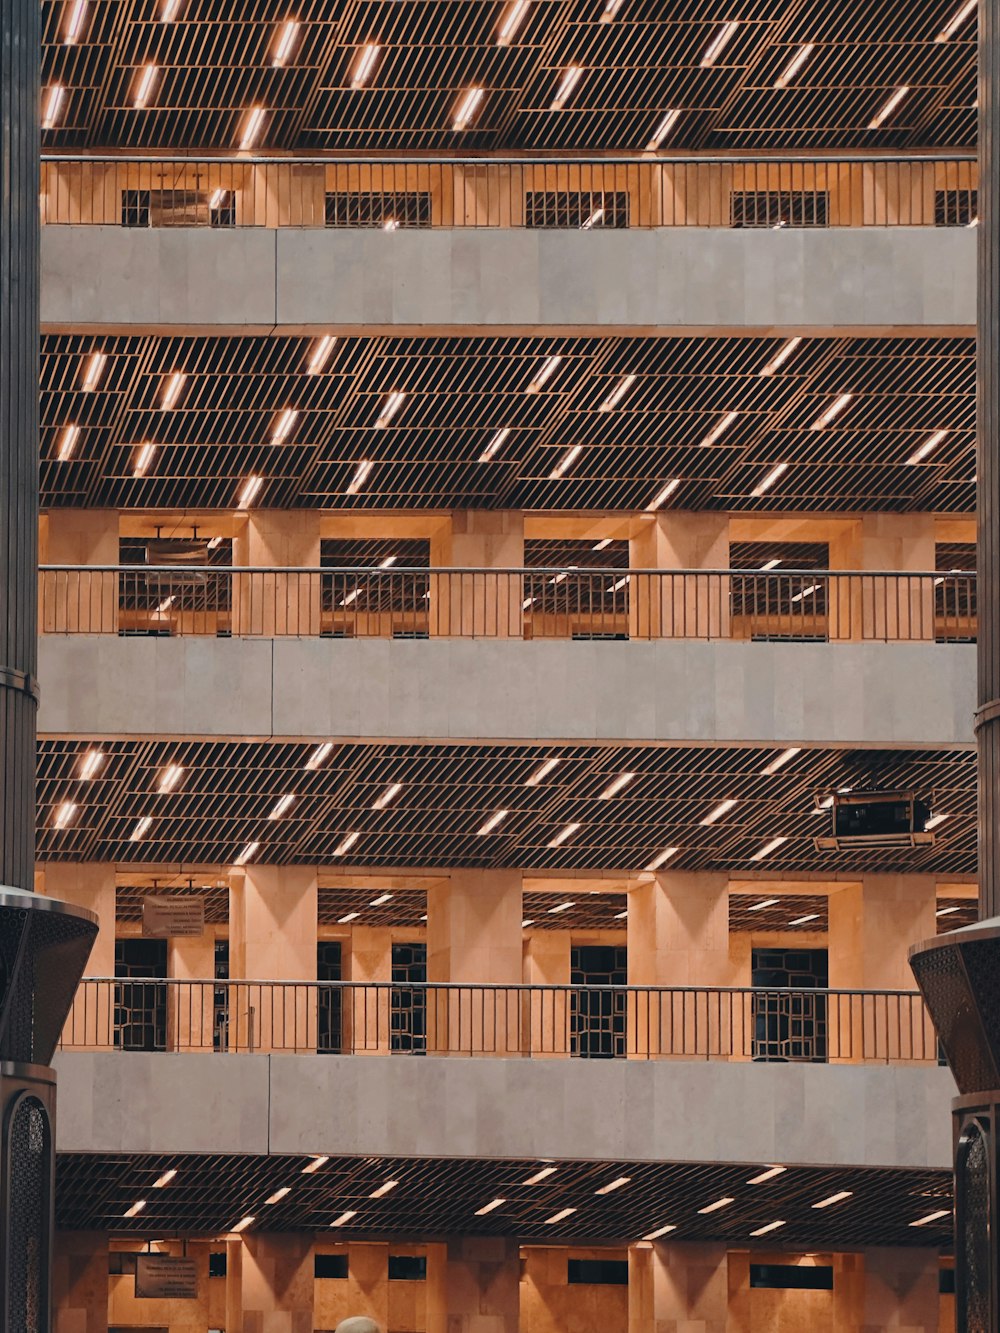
(554, 159)
(605, 571)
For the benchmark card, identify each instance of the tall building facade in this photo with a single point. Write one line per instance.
(508, 503)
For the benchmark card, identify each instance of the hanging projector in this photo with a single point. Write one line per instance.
(873, 819)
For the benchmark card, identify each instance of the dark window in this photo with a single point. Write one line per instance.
(408, 1010)
(576, 208)
(789, 1022)
(122, 1262)
(779, 208)
(946, 1281)
(407, 1268)
(328, 968)
(955, 208)
(597, 1016)
(220, 998)
(217, 1263)
(597, 1272)
(792, 1277)
(135, 208)
(140, 1003)
(330, 1265)
(399, 208)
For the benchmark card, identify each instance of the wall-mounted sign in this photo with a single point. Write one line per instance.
(173, 917)
(164, 1277)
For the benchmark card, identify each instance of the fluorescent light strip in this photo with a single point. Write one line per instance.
(794, 65)
(360, 477)
(381, 900)
(346, 920)
(249, 492)
(662, 858)
(564, 835)
(615, 1185)
(946, 911)
(94, 370)
(145, 88)
(931, 1217)
(282, 806)
(136, 1208)
(278, 1195)
(67, 445)
(928, 446)
(611, 8)
(566, 462)
(248, 851)
(492, 822)
(541, 1175)
(170, 10)
(714, 1207)
(320, 354)
(558, 1217)
(770, 564)
(663, 496)
(780, 357)
(344, 1218)
(92, 763)
(345, 844)
(172, 391)
(549, 368)
(143, 460)
(254, 125)
(65, 814)
(617, 394)
(165, 1179)
(467, 109)
(768, 848)
(839, 1197)
(77, 18)
(935, 820)
(883, 114)
(769, 1174)
(660, 1231)
(320, 755)
(774, 475)
(780, 761)
(832, 412)
(524, 924)
(613, 788)
(541, 773)
(561, 907)
(967, 10)
(763, 1231)
(759, 907)
(383, 1190)
(804, 920)
(141, 828)
(602, 544)
(53, 106)
(286, 41)
(283, 425)
(314, 1165)
(494, 444)
(388, 796)
(719, 429)
(166, 604)
(365, 64)
(571, 77)
(515, 15)
(243, 1223)
(718, 43)
(668, 122)
(721, 809)
(594, 220)
(170, 778)
(806, 592)
(218, 198)
(490, 1207)
(390, 407)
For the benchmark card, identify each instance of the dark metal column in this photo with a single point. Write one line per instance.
(20, 44)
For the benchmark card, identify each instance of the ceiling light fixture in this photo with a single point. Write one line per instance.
(249, 851)
(928, 446)
(360, 476)
(804, 920)
(514, 16)
(65, 814)
(311, 1167)
(389, 409)
(282, 806)
(615, 1185)
(528, 921)
(566, 462)
(884, 112)
(572, 75)
(564, 835)
(780, 357)
(670, 119)
(383, 1190)
(661, 498)
(770, 1173)
(77, 18)
(662, 858)
(832, 412)
(549, 368)
(721, 809)
(594, 220)
(774, 475)
(542, 772)
(388, 796)
(320, 354)
(364, 64)
(320, 755)
(660, 1231)
(611, 8)
(170, 777)
(492, 822)
(172, 391)
(53, 106)
(616, 395)
(279, 1194)
(718, 43)
(165, 1179)
(794, 65)
(834, 1198)
(613, 788)
(249, 492)
(759, 907)
(170, 10)
(283, 425)
(602, 544)
(768, 848)
(345, 844)
(805, 592)
(141, 828)
(947, 911)
(67, 444)
(934, 821)
(558, 1217)
(92, 763)
(490, 1207)
(780, 761)
(346, 920)
(561, 907)
(381, 900)
(494, 444)
(288, 33)
(967, 10)
(541, 1175)
(243, 1223)
(93, 371)
(719, 429)
(254, 125)
(467, 109)
(931, 1217)
(714, 1207)
(770, 1226)
(136, 1208)
(143, 460)
(146, 80)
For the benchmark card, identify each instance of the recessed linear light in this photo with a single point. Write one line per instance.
(65, 814)
(492, 822)
(170, 10)
(467, 108)
(217, 199)
(364, 64)
(670, 119)
(165, 1179)
(381, 900)
(602, 544)
(287, 37)
(542, 772)
(967, 10)
(832, 412)
(360, 477)
(804, 920)
(278, 1195)
(794, 65)
(170, 777)
(617, 394)
(93, 371)
(781, 760)
(345, 844)
(572, 75)
(143, 460)
(928, 446)
(759, 907)
(524, 924)
(388, 796)
(839, 1197)
(283, 425)
(805, 592)
(660, 1231)
(53, 106)
(564, 834)
(721, 809)
(770, 1173)
(141, 828)
(885, 111)
(549, 368)
(558, 1217)
(390, 407)
(770, 1226)
(136, 1208)
(718, 43)
(243, 1223)
(346, 920)
(768, 848)
(661, 497)
(320, 354)
(662, 858)
(931, 1217)
(314, 1165)
(719, 429)
(947, 911)
(320, 755)
(614, 1185)
(93, 761)
(561, 907)
(613, 788)
(714, 1207)
(383, 1190)
(780, 357)
(77, 18)
(541, 1175)
(253, 127)
(514, 16)
(611, 8)
(282, 805)
(620, 583)
(594, 220)
(566, 462)
(771, 564)
(494, 444)
(934, 821)
(490, 1207)
(145, 88)
(172, 390)
(249, 492)
(68, 442)
(774, 475)
(249, 851)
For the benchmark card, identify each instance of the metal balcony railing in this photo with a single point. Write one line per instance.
(584, 1022)
(419, 192)
(564, 603)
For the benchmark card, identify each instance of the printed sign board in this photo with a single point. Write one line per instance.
(164, 1277)
(173, 918)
